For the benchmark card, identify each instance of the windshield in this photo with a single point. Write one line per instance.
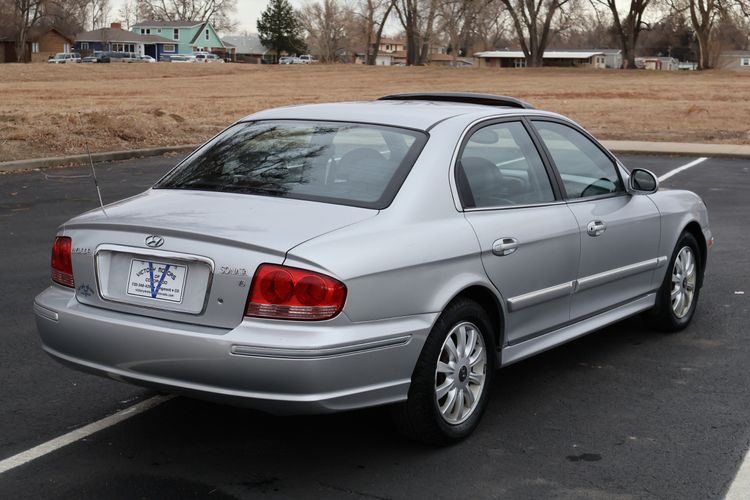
(345, 163)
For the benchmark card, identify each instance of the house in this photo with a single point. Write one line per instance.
(558, 58)
(392, 52)
(46, 42)
(8, 46)
(41, 43)
(390, 45)
(736, 60)
(657, 63)
(248, 49)
(440, 59)
(187, 36)
(116, 39)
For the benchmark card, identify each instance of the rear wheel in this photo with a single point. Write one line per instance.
(678, 296)
(450, 383)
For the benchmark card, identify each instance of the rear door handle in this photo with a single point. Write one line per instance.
(504, 246)
(596, 228)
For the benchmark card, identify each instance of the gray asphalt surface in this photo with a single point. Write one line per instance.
(623, 413)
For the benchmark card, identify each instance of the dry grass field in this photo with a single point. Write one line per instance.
(53, 110)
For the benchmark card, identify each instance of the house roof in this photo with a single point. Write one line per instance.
(119, 35)
(397, 41)
(166, 24)
(249, 44)
(38, 31)
(548, 54)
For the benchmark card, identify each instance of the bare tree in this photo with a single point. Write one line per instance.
(627, 28)
(374, 15)
(702, 15)
(325, 24)
(27, 14)
(99, 11)
(418, 19)
(128, 14)
(533, 21)
(488, 26)
(219, 12)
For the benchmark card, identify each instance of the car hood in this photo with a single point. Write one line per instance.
(276, 224)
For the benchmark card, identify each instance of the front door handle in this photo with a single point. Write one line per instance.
(504, 246)
(596, 228)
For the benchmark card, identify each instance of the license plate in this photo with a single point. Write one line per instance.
(156, 280)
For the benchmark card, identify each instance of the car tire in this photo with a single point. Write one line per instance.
(429, 415)
(678, 295)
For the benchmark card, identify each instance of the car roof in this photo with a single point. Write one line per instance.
(414, 114)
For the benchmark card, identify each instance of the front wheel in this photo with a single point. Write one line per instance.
(450, 384)
(678, 296)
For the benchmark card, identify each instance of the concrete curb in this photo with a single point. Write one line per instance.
(669, 148)
(679, 148)
(57, 161)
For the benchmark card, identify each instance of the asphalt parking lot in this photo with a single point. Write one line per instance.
(624, 413)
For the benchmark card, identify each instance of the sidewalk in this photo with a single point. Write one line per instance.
(679, 148)
(631, 147)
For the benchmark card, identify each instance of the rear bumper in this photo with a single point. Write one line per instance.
(278, 367)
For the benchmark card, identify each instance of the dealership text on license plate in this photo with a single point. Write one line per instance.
(156, 280)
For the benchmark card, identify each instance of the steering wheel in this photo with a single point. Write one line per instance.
(594, 185)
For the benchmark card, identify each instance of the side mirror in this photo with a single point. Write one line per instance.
(643, 182)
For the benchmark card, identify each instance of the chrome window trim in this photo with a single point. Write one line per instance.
(165, 254)
(510, 207)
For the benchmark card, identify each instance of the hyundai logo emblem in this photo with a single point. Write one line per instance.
(154, 241)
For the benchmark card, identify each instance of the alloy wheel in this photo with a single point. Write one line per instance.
(460, 373)
(684, 278)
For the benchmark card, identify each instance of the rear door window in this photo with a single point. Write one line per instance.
(500, 167)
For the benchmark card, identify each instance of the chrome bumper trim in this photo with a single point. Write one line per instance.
(273, 352)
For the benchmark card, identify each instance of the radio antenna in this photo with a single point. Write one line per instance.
(96, 183)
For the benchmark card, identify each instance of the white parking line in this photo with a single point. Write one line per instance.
(85, 431)
(680, 169)
(740, 487)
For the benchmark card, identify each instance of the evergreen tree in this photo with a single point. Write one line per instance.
(279, 29)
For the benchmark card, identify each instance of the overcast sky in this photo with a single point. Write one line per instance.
(247, 14)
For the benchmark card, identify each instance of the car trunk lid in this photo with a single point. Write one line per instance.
(188, 255)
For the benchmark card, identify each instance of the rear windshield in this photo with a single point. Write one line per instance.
(344, 163)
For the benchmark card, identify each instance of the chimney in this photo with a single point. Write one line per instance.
(116, 26)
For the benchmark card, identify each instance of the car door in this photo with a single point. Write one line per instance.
(619, 232)
(528, 237)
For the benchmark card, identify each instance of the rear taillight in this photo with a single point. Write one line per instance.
(62, 267)
(282, 292)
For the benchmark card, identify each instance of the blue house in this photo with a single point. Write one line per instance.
(187, 36)
(116, 39)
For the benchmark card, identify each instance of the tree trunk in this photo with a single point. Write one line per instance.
(424, 54)
(704, 61)
(628, 53)
(379, 35)
(20, 44)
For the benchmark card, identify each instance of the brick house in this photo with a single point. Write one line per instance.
(46, 42)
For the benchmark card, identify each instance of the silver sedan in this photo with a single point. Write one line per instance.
(337, 256)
